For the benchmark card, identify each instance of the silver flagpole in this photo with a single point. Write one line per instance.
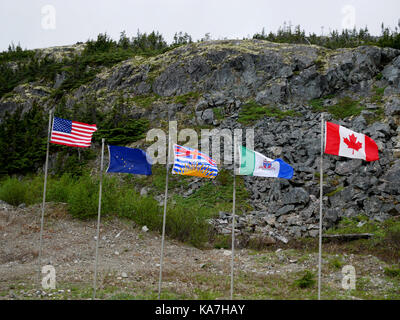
(98, 219)
(233, 226)
(164, 218)
(321, 182)
(44, 195)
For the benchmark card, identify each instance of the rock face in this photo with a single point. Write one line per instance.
(273, 73)
(226, 74)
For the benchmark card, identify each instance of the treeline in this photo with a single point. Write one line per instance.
(23, 135)
(18, 66)
(335, 39)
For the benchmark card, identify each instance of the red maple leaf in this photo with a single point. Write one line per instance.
(352, 143)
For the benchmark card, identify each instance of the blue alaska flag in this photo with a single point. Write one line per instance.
(128, 160)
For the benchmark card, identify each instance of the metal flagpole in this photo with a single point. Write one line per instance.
(164, 218)
(98, 219)
(44, 195)
(233, 226)
(321, 182)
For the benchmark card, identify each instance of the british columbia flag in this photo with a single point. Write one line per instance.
(192, 162)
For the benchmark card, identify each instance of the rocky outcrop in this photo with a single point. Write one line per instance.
(273, 73)
(226, 74)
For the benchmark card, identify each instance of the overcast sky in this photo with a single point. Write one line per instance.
(44, 23)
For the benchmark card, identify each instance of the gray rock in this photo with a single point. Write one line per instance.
(331, 216)
(274, 94)
(208, 116)
(347, 167)
(391, 72)
(285, 210)
(296, 196)
(392, 108)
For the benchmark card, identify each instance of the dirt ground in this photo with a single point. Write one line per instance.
(129, 260)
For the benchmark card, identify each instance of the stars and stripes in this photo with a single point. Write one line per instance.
(72, 133)
(191, 162)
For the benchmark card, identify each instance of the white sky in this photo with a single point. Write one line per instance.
(23, 21)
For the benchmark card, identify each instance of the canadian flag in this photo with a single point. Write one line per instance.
(343, 142)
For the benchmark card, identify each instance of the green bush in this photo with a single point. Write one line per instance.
(12, 191)
(185, 98)
(306, 281)
(336, 263)
(252, 111)
(188, 224)
(58, 190)
(34, 189)
(346, 107)
(222, 241)
(83, 198)
(393, 272)
(16, 192)
(186, 219)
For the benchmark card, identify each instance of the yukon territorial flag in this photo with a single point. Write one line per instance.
(253, 163)
(340, 141)
(72, 133)
(128, 160)
(192, 162)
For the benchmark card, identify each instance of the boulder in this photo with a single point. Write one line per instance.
(296, 196)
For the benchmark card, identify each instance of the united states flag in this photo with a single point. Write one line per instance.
(72, 133)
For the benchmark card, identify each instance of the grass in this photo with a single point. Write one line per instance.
(339, 189)
(336, 263)
(378, 96)
(187, 216)
(146, 100)
(222, 241)
(385, 243)
(252, 111)
(187, 97)
(187, 221)
(208, 283)
(392, 272)
(218, 113)
(346, 107)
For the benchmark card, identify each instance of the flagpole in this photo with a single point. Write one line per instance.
(233, 226)
(98, 219)
(44, 195)
(164, 219)
(321, 182)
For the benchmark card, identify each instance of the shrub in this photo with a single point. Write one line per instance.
(306, 281)
(58, 190)
(336, 263)
(187, 97)
(188, 224)
(12, 191)
(187, 220)
(346, 107)
(222, 241)
(83, 198)
(252, 111)
(393, 272)
(34, 189)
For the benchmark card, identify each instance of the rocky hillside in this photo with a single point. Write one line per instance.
(279, 90)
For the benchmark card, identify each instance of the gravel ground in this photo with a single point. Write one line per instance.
(129, 260)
